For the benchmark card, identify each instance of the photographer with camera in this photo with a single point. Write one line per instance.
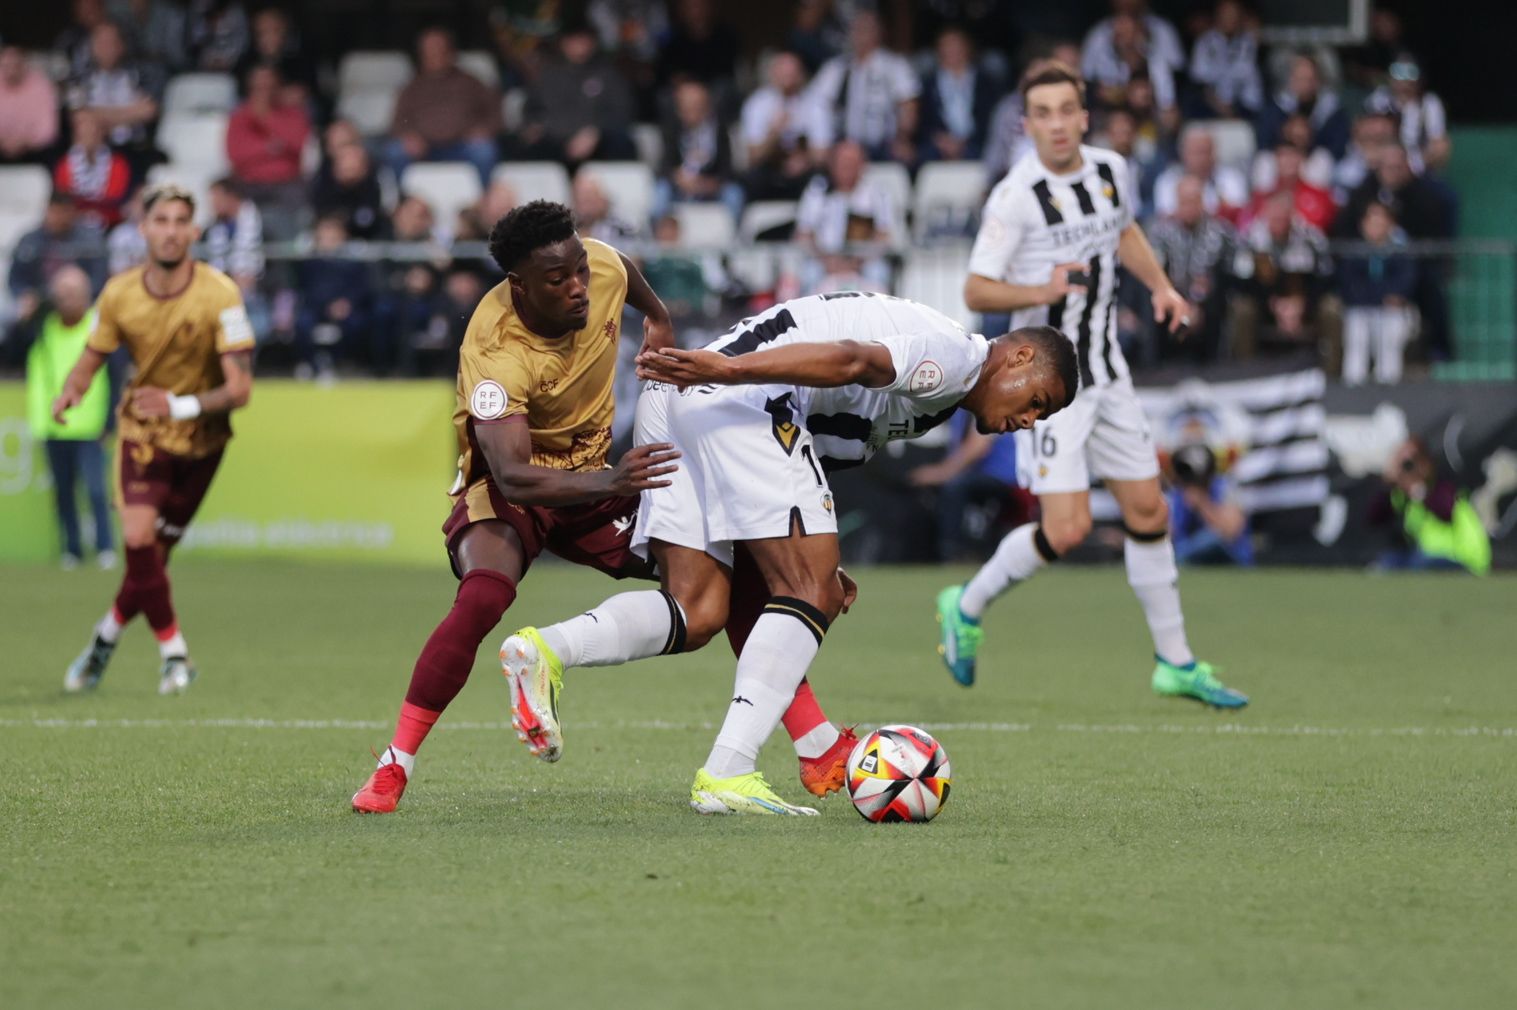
(1207, 525)
(1436, 526)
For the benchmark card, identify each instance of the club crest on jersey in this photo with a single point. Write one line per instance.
(488, 401)
(786, 431)
(610, 328)
(1109, 190)
(827, 501)
(927, 377)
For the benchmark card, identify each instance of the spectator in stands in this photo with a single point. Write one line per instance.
(699, 47)
(1305, 94)
(234, 245)
(96, 178)
(979, 469)
(410, 288)
(774, 125)
(677, 273)
(336, 299)
(841, 209)
(579, 106)
(1317, 164)
(1163, 43)
(697, 163)
(817, 33)
(1424, 125)
(1288, 270)
(59, 241)
(1313, 203)
(265, 140)
(154, 29)
(1119, 132)
(1126, 54)
(1206, 523)
(1006, 140)
(1225, 187)
(1225, 66)
(1368, 65)
(348, 184)
(476, 220)
(592, 211)
(125, 246)
(217, 34)
(868, 95)
(28, 109)
(1155, 127)
(1435, 526)
(957, 100)
(1373, 133)
(73, 448)
(1377, 287)
(275, 45)
(123, 93)
(444, 113)
(74, 41)
(1196, 249)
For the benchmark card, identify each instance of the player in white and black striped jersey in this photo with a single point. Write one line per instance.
(1051, 237)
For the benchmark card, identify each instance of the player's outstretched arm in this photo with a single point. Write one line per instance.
(77, 383)
(232, 394)
(658, 328)
(1138, 257)
(507, 446)
(843, 363)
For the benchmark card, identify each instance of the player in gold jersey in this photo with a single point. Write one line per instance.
(185, 327)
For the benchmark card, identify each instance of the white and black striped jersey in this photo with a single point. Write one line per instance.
(1035, 220)
(936, 361)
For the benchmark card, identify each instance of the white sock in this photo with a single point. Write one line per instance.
(173, 646)
(628, 626)
(1016, 559)
(109, 629)
(1154, 578)
(817, 742)
(775, 658)
(391, 756)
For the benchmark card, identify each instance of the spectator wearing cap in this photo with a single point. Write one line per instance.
(444, 113)
(1225, 66)
(1424, 125)
(774, 124)
(1225, 187)
(28, 109)
(868, 95)
(1304, 93)
(579, 106)
(697, 165)
(90, 173)
(957, 100)
(265, 139)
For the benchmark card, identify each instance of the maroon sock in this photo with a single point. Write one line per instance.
(446, 659)
(145, 589)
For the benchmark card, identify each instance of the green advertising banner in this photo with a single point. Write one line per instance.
(351, 471)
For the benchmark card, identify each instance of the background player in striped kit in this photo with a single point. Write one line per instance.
(1047, 252)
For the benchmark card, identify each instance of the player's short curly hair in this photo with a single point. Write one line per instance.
(528, 228)
(1057, 351)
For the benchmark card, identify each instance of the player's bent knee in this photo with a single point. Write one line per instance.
(1065, 534)
(1147, 520)
(704, 618)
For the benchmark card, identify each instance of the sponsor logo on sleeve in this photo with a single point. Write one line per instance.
(236, 326)
(927, 377)
(488, 401)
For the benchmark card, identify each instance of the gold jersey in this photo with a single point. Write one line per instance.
(561, 386)
(176, 344)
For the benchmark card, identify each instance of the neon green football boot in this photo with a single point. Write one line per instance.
(1197, 680)
(740, 794)
(959, 636)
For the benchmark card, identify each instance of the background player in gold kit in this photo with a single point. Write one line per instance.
(184, 325)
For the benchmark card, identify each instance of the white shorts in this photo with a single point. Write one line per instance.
(748, 469)
(1104, 433)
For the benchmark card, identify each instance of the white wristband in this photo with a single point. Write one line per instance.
(182, 408)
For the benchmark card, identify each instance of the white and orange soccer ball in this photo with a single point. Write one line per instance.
(898, 773)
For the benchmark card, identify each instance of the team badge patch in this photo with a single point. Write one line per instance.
(827, 501)
(235, 326)
(927, 377)
(488, 401)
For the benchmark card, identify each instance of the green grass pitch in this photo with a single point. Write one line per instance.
(1346, 841)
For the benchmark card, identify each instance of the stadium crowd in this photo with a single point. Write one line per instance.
(863, 163)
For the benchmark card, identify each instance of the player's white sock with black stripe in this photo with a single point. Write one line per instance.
(779, 650)
(628, 626)
(1152, 573)
(1019, 555)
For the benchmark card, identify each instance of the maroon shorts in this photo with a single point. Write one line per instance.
(173, 485)
(596, 534)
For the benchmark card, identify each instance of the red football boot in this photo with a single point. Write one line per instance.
(382, 793)
(826, 773)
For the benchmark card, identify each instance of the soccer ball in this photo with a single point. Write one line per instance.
(898, 773)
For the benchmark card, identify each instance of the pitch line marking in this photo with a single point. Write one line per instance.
(1135, 729)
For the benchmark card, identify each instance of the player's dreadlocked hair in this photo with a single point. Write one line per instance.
(527, 228)
(1057, 351)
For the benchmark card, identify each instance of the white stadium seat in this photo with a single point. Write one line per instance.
(535, 180)
(513, 107)
(196, 94)
(195, 141)
(649, 140)
(705, 225)
(629, 186)
(1233, 140)
(894, 179)
(370, 111)
(373, 70)
(481, 64)
(761, 215)
(937, 279)
(449, 186)
(946, 189)
(24, 189)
